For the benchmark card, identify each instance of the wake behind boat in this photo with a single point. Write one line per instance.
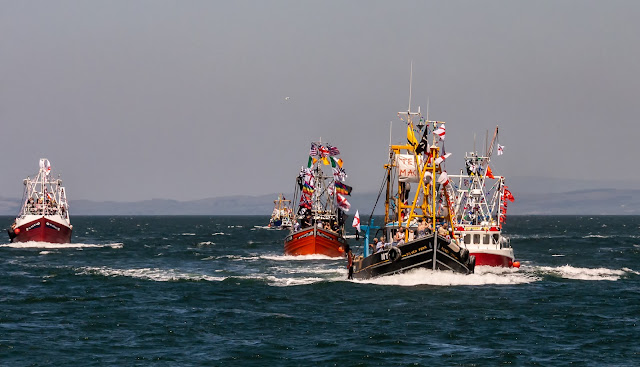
(319, 220)
(408, 238)
(44, 216)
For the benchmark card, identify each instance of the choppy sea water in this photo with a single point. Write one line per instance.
(209, 291)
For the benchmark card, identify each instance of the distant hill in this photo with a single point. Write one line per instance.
(594, 202)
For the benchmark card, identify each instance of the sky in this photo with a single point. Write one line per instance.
(184, 100)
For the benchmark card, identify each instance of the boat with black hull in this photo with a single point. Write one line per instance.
(417, 230)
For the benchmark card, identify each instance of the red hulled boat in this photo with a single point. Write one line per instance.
(481, 210)
(318, 226)
(44, 216)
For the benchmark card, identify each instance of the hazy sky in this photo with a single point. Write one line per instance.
(134, 100)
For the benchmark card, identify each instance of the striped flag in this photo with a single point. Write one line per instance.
(314, 150)
(440, 132)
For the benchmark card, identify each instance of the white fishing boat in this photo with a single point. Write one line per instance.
(481, 209)
(44, 216)
(281, 214)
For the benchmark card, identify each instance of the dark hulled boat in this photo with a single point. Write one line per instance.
(416, 243)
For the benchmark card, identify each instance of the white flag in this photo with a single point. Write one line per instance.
(45, 165)
(443, 179)
(500, 149)
(356, 221)
(440, 132)
(442, 158)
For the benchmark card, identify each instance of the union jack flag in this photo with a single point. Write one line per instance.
(333, 150)
(324, 151)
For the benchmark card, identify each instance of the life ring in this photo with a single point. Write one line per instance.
(464, 254)
(395, 254)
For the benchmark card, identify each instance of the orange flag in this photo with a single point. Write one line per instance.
(489, 173)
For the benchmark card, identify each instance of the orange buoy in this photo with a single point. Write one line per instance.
(16, 231)
(516, 264)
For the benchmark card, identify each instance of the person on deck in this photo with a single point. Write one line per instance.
(443, 230)
(380, 245)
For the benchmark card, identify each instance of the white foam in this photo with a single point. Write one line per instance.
(299, 257)
(570, 272)
(483, 275)
(155, 274)
(218, 234)
(47, 245)
(188, 234)
(206, 243)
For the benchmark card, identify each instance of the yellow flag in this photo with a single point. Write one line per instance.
(325, 161)
(339, 161)
(411, 138)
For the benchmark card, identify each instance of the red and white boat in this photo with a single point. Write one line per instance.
(44, 216)
(480, 209)
(318, 227)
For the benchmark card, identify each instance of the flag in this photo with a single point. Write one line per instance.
(508, 195)
(343, 203)
(356, 221)
(424, 142)
(342, 188)
(307, 189)
(325, 161)
(489, 173)
(305, 202)
(440, 132)
(411, 137)
(339, 161)
(331, 189)
(310, 162)
(332, 150)
(314, 150)
(500, 149)
(333, 162)
(45, 165)
(324, 151)
(443, 179)
(339, 174)
(442, 158)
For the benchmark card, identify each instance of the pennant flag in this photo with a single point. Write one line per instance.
(342, 188)
(314, 150)
(356, 221)
(500, 149)
(324, 151)
(411, 138)
(343, 203)
(424, 142)
(489, 173)
(440, 132)
(332, 150)
(442, 158)
(508, 195)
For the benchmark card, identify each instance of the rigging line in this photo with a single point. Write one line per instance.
(384, 181)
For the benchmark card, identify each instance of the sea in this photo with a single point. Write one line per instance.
(218, 291)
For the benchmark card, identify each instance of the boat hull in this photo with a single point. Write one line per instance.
(42, 229)
(315, 241)
(414, 254)
(494, 258)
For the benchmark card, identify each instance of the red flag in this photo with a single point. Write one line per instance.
(508, 195)
(489, 173)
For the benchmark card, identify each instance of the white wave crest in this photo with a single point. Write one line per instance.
(47, 245)
(483, 275)
(187, 234)
(570, 272)
(155, 274)
(299, 257)
(206, 243)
